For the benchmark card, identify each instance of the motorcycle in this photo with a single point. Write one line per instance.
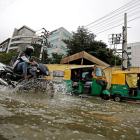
(37, 79)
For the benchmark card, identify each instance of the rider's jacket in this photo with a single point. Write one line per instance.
(22, 57)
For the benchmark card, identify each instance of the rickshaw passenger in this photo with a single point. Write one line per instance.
(76, 76)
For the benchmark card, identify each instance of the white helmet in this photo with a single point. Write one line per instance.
(29, 49)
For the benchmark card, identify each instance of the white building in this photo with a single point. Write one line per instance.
(56, 40)
(21, 38)
(4, 45)
(133, 51)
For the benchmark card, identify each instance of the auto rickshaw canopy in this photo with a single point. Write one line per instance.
(121, 77)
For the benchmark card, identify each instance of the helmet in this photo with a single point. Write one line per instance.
(29, 49)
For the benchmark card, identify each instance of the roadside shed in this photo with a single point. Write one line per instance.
(83, 58)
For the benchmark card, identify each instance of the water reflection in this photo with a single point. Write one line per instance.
(27, 116)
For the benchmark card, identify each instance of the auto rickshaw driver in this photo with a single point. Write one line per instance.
(88, 78)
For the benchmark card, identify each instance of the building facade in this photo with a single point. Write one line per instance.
(4, 45)
(56, 41)
(21, 38)
(26, 36)
(133, 51)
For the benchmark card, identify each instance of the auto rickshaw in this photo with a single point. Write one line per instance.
(124, 85)
(97, 86)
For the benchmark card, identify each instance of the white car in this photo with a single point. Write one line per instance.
(1, 66)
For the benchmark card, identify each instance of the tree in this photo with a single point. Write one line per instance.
(6, 57)
(37, 50)
(56, 58)
(83, 40)
(45, 56)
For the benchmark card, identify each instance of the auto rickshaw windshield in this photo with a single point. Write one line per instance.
(99, 72)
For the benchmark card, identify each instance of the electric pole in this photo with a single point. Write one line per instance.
(124, 44)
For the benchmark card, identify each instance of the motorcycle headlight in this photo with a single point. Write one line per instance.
(47, 73)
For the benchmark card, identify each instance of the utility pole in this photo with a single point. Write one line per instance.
(42, 48)
(124, 44)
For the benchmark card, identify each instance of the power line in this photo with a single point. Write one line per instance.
(7, 5)
(113, 17)
(117, 25)
(137, 12)
(113, 12)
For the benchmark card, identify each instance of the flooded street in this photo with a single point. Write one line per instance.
(31, 116)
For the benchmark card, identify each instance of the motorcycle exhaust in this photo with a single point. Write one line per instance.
(3, 82)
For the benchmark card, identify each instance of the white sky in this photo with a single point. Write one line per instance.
(53, 14)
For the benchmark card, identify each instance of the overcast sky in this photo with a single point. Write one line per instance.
(53, 14)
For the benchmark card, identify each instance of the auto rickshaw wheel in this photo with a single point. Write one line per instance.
(104, 96)
(117, 98)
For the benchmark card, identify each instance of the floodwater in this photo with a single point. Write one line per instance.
(32, 116)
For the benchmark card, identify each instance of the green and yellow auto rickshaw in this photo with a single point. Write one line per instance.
(97, 85)
(124, 85)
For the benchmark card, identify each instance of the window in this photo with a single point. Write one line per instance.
(50, 54)
(54, 47)
(129, 58)
(55, 34)
(63, 48)
(66, 35)
(53, 41)
(99, 72)
(129, 53)
(128, 48)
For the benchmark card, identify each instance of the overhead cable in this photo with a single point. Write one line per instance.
(117, 25)
(7, 5)
(114, 11)
(99, 28)
(102, 22)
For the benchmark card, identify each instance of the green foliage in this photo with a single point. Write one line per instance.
(83, 40)
(37, 50)
(45, 56)
(56, 58)
(6, 57)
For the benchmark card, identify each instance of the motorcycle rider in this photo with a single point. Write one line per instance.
(24, 60)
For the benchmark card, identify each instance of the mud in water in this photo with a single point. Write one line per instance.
(36, 116)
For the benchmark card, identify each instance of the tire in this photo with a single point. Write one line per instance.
(117, 98)
(104, 96)
(107, 97)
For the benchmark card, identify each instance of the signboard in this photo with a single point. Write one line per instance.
(58, 75)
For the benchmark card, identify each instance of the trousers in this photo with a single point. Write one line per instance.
(23, 66)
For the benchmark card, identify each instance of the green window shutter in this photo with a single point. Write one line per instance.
(63, 48)
(54, 47)
(128, 48)
(66, 35)
(55, 34)
(53, 41)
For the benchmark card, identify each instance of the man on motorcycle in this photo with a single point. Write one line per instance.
(23, 60)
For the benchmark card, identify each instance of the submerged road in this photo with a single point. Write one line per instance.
(31, 116)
